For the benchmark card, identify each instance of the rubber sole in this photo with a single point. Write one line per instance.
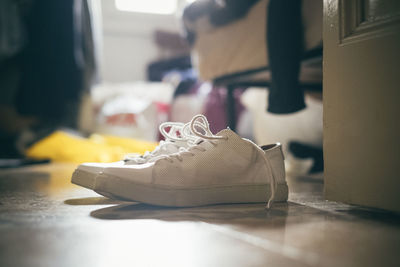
(186, 197)
(88, 180)
(84, 178)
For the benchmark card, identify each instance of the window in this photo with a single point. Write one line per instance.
(148, 6)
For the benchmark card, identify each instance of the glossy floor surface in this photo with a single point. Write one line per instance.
(47, 221)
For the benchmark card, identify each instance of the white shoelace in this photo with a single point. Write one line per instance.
(192, 129)
(272, 182)
(200, 121)
(174, 138)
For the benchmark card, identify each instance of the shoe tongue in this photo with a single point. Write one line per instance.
(228, 133)
(182, 143)
(172, 147)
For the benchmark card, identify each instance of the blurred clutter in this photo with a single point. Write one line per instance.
(65, 147)
(48, 59)
(68, 92)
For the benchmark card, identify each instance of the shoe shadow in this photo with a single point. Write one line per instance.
(249, 214)
(254, 215)
(92, 201)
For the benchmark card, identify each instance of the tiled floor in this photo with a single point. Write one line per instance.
(46, 221)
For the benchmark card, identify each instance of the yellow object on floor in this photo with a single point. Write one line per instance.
(63, 147)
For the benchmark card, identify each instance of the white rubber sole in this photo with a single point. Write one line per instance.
(186, 197)
(84, 178)
(88, 180)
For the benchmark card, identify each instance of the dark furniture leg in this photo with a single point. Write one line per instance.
(231, 107)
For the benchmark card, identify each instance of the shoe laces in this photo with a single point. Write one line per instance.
(177, 134)
(272, 181)
(198, 130)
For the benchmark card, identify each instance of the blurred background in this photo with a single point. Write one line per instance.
(91, 80)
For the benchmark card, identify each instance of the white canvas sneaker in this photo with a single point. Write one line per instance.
(222, 168)
(177, 137)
